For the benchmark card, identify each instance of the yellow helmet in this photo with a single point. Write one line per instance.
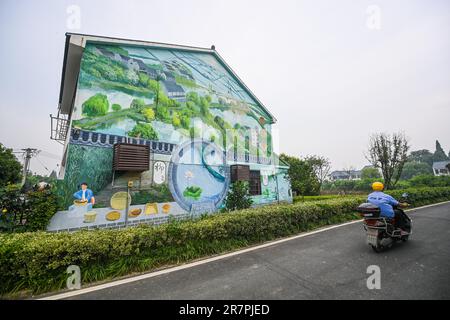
(377, 186)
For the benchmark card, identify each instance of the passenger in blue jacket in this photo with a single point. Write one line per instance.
(85, 194)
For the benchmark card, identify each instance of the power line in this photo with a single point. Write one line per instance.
(42, 164)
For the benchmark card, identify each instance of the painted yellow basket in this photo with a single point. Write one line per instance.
(151, 208)
(118, 200)
(80, 203)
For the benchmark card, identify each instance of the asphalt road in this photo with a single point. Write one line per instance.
(327, 265)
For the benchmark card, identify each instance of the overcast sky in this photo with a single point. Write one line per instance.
(332, 72)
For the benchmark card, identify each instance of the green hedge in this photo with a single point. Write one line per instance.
(37, 261)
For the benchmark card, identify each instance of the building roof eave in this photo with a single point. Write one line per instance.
(74, 48)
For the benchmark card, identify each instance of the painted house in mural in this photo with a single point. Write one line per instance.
(174, 120)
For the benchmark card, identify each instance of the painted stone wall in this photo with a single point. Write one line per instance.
(194, 115)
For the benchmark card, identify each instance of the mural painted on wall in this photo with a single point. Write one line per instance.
(166, 95)
(188, 108)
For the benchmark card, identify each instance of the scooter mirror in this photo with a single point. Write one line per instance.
(405, 195)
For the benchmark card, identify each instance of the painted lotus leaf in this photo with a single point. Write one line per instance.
(193, 192)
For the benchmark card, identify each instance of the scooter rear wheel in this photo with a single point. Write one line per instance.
(376, 248)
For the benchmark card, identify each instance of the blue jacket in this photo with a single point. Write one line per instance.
(88, 195)
(384, 202)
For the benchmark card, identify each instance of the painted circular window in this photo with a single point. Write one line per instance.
(198, 176)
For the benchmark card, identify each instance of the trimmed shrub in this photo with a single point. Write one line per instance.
(238, 197)
(37, 261)
(30, 211)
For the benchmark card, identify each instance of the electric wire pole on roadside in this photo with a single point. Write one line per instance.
(28, 154)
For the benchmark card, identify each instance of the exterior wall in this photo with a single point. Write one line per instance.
(195, 117)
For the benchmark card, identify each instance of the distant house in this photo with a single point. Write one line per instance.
(440, 168)
(174, 91)
(146, 69)
(345, 175)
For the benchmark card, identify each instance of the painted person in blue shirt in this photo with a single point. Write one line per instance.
(85, 194)
(386, 203)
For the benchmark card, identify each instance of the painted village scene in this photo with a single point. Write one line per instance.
(194, 116)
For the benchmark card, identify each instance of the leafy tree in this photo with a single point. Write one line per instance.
(143, 79)
(421, 156)
(204, 106)
(30, 211)
(116, 107)
(132, 77)
(176, 121)
(301, 176)
(10, 168)
(370, 173)
(389, 153)
(173, 103)
(190, 106)
(321, 167)
(238, 196)
(162, 113)
(143, 130)
(162, 99)
(193, 96)
(185, 121)
(439, 154)
(96, 106)
(137, 104)
(414, 168)
(152, 85)
(149, 114)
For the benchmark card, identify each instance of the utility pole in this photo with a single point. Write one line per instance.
(28, 154)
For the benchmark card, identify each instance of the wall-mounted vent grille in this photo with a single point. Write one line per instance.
(131, 157)
(240, 173)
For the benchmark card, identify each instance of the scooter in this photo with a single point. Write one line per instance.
(383, 232)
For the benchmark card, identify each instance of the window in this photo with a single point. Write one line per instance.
(255, 182)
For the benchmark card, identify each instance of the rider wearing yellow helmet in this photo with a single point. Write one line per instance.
(385, 202)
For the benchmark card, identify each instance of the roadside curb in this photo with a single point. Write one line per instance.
(427, 206)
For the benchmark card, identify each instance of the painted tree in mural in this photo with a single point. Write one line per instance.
(137, 104)
(149, 114)
(116, 107)
(143, 130)
(96, 105)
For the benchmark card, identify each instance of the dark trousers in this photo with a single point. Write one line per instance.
(400, 220)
